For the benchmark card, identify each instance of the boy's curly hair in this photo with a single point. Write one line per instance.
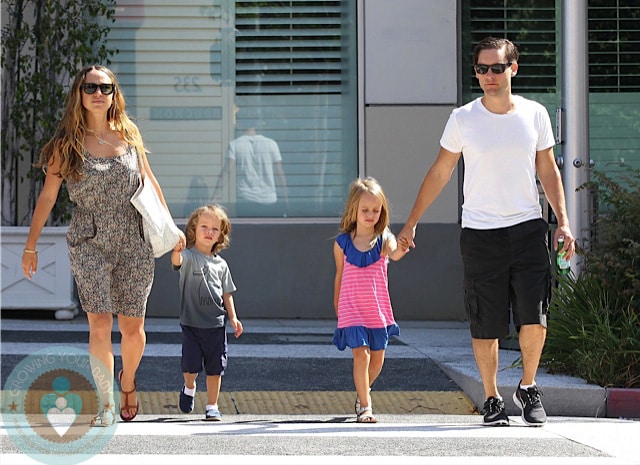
(225, 226)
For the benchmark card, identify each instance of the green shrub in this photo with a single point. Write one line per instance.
(594, 323)
(613, 256)
(594, 333)
(44, 44)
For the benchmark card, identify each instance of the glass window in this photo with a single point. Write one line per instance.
(531, 25)
(614, 83)
(252, 104)
(614, 65)
(614, 47)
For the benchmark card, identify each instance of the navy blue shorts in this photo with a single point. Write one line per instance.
(206, 346)
(507, 273)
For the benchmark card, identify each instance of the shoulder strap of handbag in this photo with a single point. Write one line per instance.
(141, 157)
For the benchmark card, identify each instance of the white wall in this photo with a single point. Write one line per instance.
(410, 52)
(411, 86)
(402, 143)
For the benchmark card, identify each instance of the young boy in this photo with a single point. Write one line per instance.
(205, 305)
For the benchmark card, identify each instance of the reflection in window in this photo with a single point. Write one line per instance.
(288, 68)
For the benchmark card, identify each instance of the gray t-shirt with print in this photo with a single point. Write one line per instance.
(203, 281)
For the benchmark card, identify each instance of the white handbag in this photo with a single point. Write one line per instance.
(159, 229)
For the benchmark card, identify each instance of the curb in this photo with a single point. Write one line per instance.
(574, 400)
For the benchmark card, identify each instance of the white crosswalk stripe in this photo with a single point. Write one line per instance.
(609, 439)
(324, 439)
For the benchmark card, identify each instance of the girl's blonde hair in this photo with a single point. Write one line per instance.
(225, 226)
(69, 136)
(358, 187)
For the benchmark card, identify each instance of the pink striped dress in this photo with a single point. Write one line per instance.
(365, 315)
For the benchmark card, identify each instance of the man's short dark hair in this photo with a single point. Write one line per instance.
(495, 43)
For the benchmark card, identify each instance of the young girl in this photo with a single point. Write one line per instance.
(205, 303)
(361, 297)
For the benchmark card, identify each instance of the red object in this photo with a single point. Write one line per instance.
(623, 403)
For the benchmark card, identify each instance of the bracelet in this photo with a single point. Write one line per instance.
(34, 251)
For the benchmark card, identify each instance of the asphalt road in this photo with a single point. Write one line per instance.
(301, 359)
(256, 372)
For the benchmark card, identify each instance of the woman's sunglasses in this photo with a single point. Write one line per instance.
(106, 89)
(498, 68)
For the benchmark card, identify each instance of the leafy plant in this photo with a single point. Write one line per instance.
(594, 319)
(594, 333)
(614, 253)
(44, 43)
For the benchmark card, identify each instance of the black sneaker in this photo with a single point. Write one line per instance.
(528, 400)
(494, 414)
(186, 402)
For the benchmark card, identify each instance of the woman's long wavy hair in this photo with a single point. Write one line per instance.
(67, 141)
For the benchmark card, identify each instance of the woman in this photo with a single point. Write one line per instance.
(95, 150)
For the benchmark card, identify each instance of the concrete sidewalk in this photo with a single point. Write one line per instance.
(160, 433)
(448, 344)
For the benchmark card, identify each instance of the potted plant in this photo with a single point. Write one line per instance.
(43, 45)
(594, 319)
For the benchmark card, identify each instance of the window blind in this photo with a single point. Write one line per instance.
(288, 47)
(614, 46)
(614, 41)
(530, 24)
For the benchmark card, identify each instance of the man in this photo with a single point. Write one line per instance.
(505, 140)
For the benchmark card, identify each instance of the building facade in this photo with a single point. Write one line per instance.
(343, 89)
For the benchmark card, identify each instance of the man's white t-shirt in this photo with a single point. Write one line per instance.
(255, 156)
(499, 152)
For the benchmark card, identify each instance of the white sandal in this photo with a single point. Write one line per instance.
(365, 415)
(106, 418)
(356, 406)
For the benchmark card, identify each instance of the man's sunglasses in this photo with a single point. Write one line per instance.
(106, 89)
(498, 68)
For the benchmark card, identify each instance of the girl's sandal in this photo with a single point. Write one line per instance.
(124, 409)
(365, 415)
(106, 418)
(356, 406)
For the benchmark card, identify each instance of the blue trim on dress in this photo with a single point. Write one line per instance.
(359, 336)
(357, 257)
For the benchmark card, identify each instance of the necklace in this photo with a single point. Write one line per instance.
(101, 141)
